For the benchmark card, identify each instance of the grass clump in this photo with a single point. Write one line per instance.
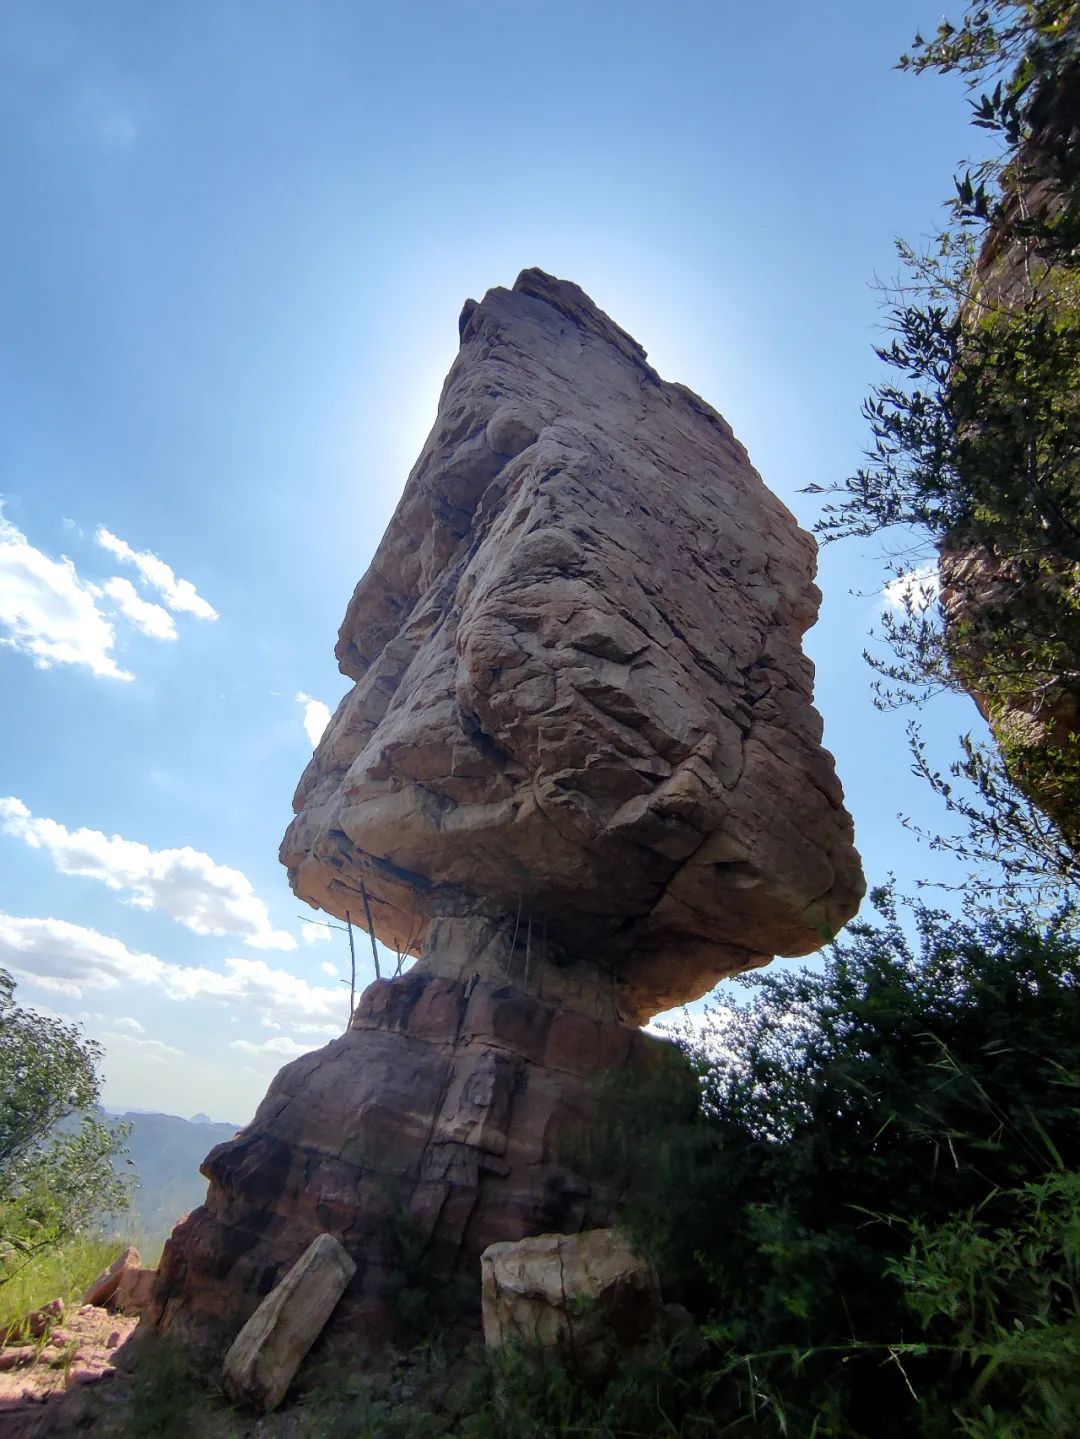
(61, 1273)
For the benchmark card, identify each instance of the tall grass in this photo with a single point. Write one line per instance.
(63, 1273)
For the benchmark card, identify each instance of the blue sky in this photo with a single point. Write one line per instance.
(238, 234)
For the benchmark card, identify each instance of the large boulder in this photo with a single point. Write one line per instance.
(586, 1296)
(580, 701)
(579, 774)
(102, 1289)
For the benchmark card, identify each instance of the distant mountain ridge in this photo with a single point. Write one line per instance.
(166, 1151)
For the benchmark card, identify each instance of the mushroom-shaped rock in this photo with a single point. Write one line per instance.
(579, 774)
(580, 702)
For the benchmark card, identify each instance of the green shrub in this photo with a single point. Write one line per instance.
(853, 1126)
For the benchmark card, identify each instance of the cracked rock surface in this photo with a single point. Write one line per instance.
(580, 694)
(579, 774)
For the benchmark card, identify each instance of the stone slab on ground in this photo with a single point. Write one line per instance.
(266, 1354)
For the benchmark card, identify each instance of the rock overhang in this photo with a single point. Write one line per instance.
(580, 708)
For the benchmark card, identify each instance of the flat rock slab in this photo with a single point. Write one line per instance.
(266, 1354)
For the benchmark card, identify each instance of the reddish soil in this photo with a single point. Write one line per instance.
(78, 1351)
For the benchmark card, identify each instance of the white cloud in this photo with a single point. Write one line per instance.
(128, 1025)
(154, 1050)
(330, 969)
(312, 933)
(316, 717)
(279, 1046)
(185, 884)
(48, 612)
(151, 619)
(71, 959)
(179, 595)
(914, 590)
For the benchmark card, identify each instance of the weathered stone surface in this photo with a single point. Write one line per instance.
(107, 1282)
(456, 1104)
(580, 702)
(135, 1290)
(579, 773)
(264, 1357)
(587, 1295)
(999, 606)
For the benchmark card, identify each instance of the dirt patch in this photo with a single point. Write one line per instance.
(76, 1352)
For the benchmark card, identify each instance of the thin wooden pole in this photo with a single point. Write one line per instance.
(370, 928)
(352, 968)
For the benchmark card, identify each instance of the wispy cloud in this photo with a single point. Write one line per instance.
(48, 612)
(316, 717)
(312, 933)
(67, 959)
(279, 1047)
(151, 619)
(155, 1051)
(186, 884)
(181, 596)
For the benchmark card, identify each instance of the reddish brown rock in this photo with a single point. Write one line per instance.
(581, 706)
(579, 774)
(104, 1287)
(465, 1134)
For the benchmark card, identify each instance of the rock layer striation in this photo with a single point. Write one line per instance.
(579, 774)
(580, 696)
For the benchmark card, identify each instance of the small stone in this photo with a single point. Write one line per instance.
(113, 1339)
(90, 1373)
(17, 1358)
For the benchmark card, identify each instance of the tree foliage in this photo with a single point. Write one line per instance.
(975, 443)
(57, 1176)
(869, 1138)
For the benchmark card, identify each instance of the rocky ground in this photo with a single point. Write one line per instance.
(73, 1351)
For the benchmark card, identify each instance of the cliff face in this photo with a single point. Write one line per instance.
(1006, 616)
(579, 774)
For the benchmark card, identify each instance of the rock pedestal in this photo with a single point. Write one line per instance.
(448, 1118)
(579, 775)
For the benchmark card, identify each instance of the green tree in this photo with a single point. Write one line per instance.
(57, 1173)
(975, 451)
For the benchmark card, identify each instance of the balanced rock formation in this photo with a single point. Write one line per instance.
(579, 774)
(580, 689)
